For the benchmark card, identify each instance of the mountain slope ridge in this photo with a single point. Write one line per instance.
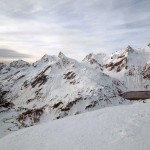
(34, 89)
(128, 65)
(57, 86)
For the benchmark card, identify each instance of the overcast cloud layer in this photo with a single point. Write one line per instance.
(12, 54)
(76, 27)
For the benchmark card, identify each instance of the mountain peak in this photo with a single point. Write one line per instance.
(19, 64)
(148, 45)
(88, 57)
(49, 58)
(129, 49)
(61, 55)
(45, 58)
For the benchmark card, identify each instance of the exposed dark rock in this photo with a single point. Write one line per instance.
(57, 105)
(2, 96)
(91, 105)
(62, 115)
(37, 96)
(45, 58)
(88, 57)
(116, 82)
(68, 106)
(45, 70)
(26, 84)
(33, 115)
(2, 65)
(93, 61)
(146, 72)
(41, 78)
(6, 105)
(118, 69)
(131, 72)
(21, 77)
(17, 72)
(30, 100)
(3, 101)
(61, 55)
(118, 65)
(69, 75)
(121, 56)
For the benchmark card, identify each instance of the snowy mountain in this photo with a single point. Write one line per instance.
(113, 128)
(131, 66)
(57, 86)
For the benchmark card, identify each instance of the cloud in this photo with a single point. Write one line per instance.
(7, 53)
(75, 27)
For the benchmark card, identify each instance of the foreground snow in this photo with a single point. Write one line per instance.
(115, 128)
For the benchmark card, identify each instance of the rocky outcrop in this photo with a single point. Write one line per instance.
(118, 65)
(41, 78)
(4, 103)
(146, 72)
(30, 117)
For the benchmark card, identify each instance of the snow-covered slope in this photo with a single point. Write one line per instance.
(113, 128)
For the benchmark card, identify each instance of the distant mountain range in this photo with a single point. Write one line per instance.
(57, 86)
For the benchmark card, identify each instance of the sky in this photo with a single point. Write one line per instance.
(31, 28)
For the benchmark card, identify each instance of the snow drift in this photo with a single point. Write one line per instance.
(115, 128)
